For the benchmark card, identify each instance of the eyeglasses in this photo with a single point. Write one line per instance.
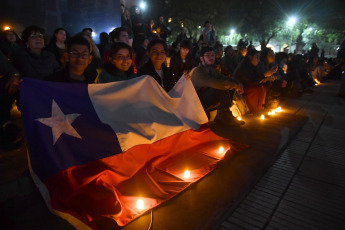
(34, 36)
(75, 54)
(122, 58)
(156, 53)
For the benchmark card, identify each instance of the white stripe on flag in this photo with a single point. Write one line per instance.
(141, 112)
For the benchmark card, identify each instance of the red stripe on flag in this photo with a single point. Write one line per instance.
(110, 187)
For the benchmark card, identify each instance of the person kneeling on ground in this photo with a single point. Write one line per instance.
(215, 90)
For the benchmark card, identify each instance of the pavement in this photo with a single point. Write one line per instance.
(293, 170)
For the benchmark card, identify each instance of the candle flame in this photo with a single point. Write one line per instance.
(269, 113)
(239, 118)
(221, 149)
(140, 204)
(273, 112)
(279, 109)
(186, 174)
(262, 117)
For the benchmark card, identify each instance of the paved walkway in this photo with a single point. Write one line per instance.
(305, 187)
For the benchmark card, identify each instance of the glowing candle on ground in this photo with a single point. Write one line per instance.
(262, 117)
(140, 204)
(279, 109)
(186, 174)
(221, 149)
(269, 113)
(273, 112)
(239, 118)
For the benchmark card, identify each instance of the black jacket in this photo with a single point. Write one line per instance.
(168, 78)
(177, 66)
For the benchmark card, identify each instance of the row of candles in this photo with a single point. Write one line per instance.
(272, 112)
(187, 174)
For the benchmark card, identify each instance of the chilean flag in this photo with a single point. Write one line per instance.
(96, 151)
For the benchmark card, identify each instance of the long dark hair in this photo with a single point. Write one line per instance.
(109, 67)
(53, 38)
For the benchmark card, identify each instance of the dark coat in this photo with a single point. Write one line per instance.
(177, 66)
(168, 78)
(42, 67)
(248, 74)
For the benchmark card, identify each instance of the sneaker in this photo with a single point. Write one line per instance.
(225, 117)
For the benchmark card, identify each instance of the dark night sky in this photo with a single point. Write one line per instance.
(76, 14)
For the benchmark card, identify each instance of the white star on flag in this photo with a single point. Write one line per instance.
(60, 123)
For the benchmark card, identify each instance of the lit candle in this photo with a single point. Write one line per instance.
(140, 204)
(273, 112)
(269, 113)
(221, 149)
(279, 109)
(186, 174)
(262, 117)
(239, 118)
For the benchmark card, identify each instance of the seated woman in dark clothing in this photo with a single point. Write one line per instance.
(273, 88)
(35, 62)
(10, 43)
(57, 44)
(119, 65)
(247, 73)
(182, 61)
(155, 67)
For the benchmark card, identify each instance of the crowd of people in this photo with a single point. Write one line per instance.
(222, 77)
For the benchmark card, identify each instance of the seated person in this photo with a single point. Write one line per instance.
(247, 73)
(35, 61)
(155, 67)
(273, 88)
(9, 86)
(215, 90)
(77, 57)
(182, 62)
(119, 65)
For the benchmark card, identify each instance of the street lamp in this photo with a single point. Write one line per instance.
(232, 32)
(290, 23)
(143, 5)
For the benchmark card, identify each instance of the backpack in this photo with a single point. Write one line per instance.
(239, 106)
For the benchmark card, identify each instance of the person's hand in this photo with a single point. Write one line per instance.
(186, 75)
(274, 69)
(12, 84)
(239, 88)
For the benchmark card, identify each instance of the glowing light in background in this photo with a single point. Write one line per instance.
(7, 28)
(269, 113)
(262, 117)
(292, 21)
(143, 5)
